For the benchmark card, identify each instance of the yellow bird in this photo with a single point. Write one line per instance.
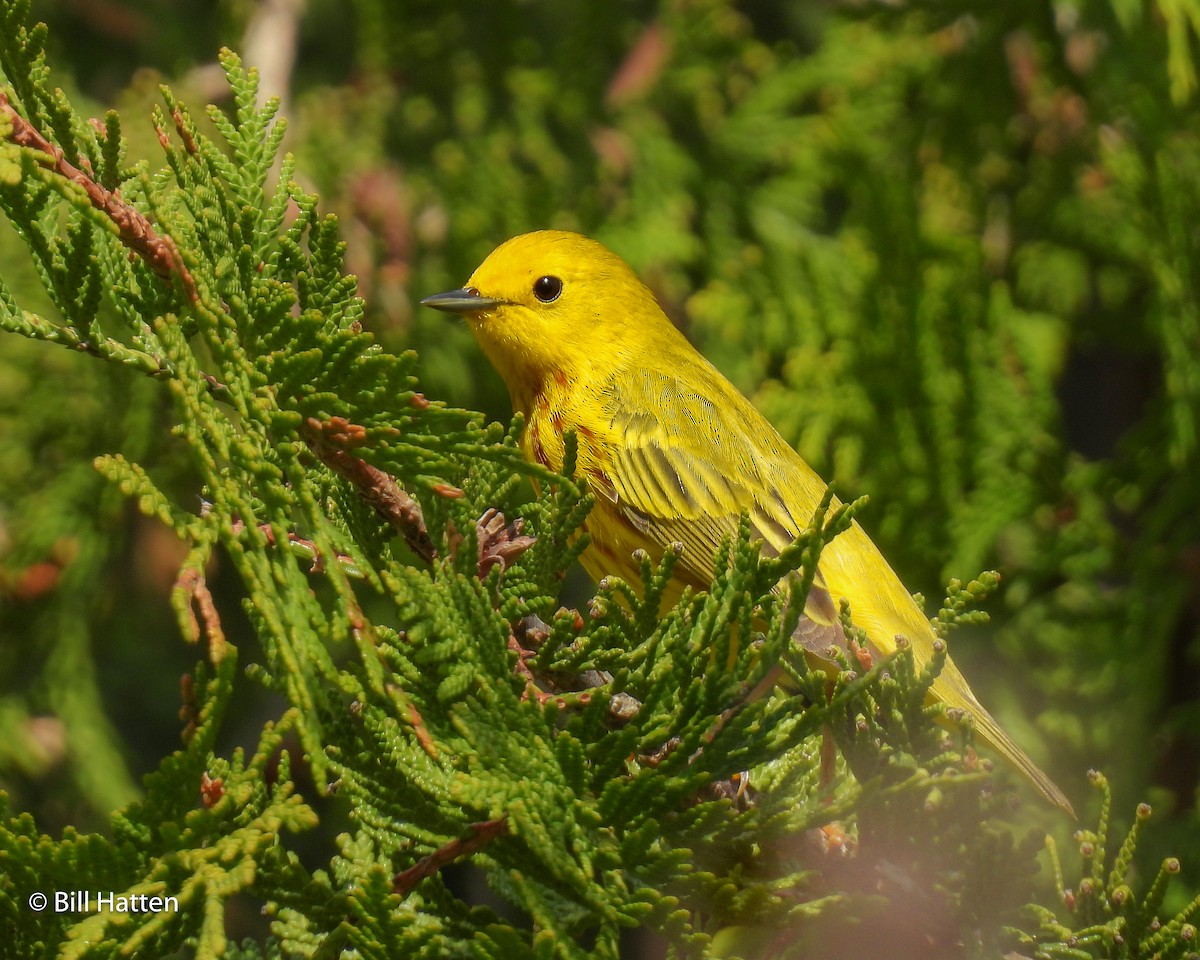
(670, 448)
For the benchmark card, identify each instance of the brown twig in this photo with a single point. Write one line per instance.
(328, 439)
(421, 732)
(565, 690)
(482, 833)
(308, 546)
(189, 142)
(521, 669)
(406, 709)
(157, 250)
(200, 606)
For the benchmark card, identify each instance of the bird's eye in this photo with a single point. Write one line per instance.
(547, 289)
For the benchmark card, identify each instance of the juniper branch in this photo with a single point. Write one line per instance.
(134, 230)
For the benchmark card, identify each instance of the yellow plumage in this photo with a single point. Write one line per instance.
(672, 451)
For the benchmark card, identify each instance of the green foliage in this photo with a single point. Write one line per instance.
(944, 246)
(1106, 917)
(353, 542)
(162, 846)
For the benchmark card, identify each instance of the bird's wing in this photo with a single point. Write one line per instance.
(684, 471)
(681, 470)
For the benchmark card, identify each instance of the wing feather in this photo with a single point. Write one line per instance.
(693, 487)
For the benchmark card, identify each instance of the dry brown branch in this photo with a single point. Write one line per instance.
(482, 833)
(328, 439)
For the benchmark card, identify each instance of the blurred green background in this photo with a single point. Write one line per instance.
(949, 248)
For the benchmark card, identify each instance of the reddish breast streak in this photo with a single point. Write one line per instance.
(535, 444)
(535, 448)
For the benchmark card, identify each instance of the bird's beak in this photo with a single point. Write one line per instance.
(466, 300)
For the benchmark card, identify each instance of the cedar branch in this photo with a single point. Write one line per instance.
(135, 231)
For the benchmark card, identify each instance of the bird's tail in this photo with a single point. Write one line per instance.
(988, 730)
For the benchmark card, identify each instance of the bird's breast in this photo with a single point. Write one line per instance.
(551, 414)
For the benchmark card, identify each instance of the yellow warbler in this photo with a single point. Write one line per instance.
(672, 451)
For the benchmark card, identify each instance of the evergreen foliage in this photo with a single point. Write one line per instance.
(391, 584)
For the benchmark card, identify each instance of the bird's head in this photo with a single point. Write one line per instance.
(553, 304)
